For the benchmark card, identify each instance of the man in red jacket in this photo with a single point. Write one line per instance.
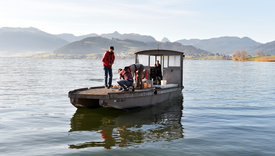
(108, 60)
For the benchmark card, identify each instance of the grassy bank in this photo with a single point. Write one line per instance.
(262, 59)
(226, 57)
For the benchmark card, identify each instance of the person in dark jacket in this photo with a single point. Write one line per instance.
(158, 71)
(108, 60)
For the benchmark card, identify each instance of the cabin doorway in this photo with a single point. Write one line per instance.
(155, 70)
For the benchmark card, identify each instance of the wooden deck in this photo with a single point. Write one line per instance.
(104, 91)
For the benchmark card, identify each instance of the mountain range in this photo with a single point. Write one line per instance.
(165, 39)
(72, 38)
(132, 36)
(98, 45)
(23, 40)
(223, 45)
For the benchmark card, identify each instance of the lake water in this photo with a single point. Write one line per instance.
(228, 109)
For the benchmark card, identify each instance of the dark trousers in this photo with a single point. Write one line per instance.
(108, 71)
(125, 83)
(139, 77)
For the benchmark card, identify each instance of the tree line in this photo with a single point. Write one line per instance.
(242, 55)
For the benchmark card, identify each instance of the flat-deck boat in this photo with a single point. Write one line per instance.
(172, 73)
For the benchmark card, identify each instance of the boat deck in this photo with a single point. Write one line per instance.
(93, 97)
(104, 91)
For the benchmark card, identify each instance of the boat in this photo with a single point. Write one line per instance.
(170, 86)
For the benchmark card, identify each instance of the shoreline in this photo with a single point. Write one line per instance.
(99, 56)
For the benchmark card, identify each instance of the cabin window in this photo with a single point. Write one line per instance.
(174, 61)
(143, 59)
(152, 61)
(165, 61)
(159, 58)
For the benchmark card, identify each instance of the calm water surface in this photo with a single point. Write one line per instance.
(228, 109)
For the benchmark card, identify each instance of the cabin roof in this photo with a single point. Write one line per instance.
(159, 52)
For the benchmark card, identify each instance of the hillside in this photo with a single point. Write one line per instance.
(131, 36)
(100, 45)
(23, 40)
(268, 48)
(222, 45)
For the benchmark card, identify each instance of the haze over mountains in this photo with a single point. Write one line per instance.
(23, 40)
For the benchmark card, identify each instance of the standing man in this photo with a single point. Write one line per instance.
(158, 68)
(108, 60)
(139, 68)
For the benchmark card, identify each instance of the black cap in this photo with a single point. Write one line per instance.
(112, 47)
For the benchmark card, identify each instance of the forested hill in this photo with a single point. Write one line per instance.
(268, 48)
(100, 45)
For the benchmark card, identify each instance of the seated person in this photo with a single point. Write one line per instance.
(145, 75)
(127, 78)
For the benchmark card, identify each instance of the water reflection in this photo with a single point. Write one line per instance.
(129, 128)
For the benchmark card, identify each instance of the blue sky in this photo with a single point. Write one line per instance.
(174, 19)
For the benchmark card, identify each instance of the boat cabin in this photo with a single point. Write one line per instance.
(171, 65)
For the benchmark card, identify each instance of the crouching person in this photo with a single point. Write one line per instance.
(127, 79)
(139, 68)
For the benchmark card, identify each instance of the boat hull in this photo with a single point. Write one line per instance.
(123, 100)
